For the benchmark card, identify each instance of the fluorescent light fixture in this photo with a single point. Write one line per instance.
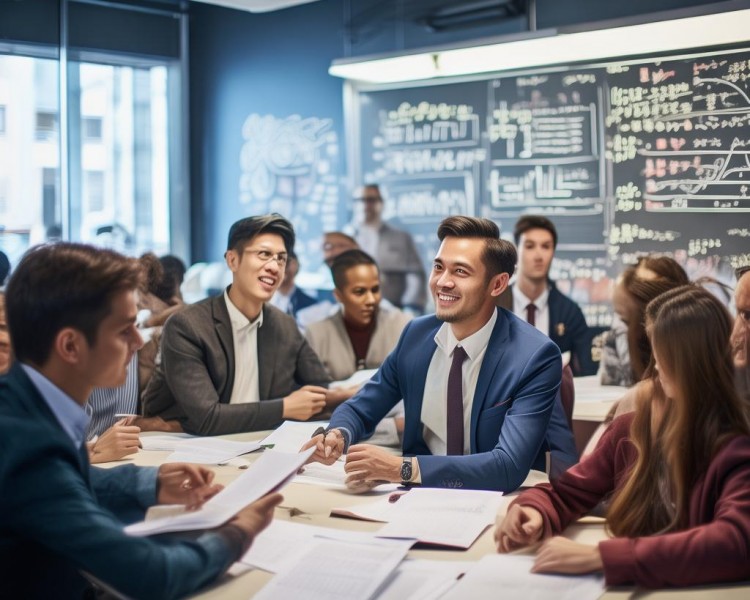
(553, 48)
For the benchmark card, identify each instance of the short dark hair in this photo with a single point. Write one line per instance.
(527, 222)
(173, 267)
(246, 229)
(740, 271)
(63, 285)
(499, 256)
(345, 261)
(4, 267)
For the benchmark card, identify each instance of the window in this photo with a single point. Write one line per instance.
(94, 190)
(91, 128)
(46, 125)
(122, 131)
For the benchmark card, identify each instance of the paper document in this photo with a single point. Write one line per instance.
(380, 510)
(334, 477)
(290, 436)
(357, 378)
(163, 442)
(200, 450)
(271, 471)
(444, 517)
(282, 543)
(210, 451)
(588, 389)
(510, 576)
(332, 570)
(422, 579)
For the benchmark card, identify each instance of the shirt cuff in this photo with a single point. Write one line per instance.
(416, 474)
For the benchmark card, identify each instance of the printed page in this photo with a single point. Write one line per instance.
(444, 517)
(422, 579)
(271, 471)
(333, 569)
(510, 575)
(282, 543)
(210, 451)
(290, 436)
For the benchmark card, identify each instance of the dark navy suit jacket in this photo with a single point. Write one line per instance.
(567, 328)
(512, 424)
(59, 516)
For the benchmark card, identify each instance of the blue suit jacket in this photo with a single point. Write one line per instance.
(514, 403)
(59, 516)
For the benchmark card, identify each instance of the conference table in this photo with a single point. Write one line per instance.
(311, 505)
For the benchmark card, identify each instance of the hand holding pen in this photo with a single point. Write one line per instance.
(329, 446)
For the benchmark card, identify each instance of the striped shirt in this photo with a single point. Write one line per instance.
(105, 403)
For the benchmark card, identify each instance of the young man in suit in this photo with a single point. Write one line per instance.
(479, 385)
(234, 363)
(72, 310)
(534, 298)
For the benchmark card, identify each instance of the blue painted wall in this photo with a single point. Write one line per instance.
(275, 65)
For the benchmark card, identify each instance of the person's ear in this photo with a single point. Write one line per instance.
(232, 259)
(498, 284)
(337, 295)
(69, 345)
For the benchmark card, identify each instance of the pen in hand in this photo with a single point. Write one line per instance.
(318, 431)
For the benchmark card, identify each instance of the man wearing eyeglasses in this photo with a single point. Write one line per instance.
(233, 362)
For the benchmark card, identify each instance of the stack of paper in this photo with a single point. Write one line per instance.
(443, 517)
(200, 450)
(333, 569)
(271, 471)
(510, 576)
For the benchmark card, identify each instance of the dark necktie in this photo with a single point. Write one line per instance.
(455, 411)
(531, 314)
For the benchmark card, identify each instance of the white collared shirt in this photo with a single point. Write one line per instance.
(520, 302)
(435, 400)
(245, 339)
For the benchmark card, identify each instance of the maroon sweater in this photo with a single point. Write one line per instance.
(714, 548)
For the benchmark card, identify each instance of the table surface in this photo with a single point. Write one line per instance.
(311, 505)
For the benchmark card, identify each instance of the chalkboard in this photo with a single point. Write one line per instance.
(625, 157)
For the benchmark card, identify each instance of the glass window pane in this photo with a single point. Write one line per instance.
(119, 159)
(29, 153)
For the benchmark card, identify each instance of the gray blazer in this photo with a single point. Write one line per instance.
(193, 383)
(331, 343)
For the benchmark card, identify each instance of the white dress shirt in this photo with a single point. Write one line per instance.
(435, 400)
(520, 302)
(245, 339)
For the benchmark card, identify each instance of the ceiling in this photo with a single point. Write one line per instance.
(257, 5)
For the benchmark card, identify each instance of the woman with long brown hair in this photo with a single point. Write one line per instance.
(678, 470)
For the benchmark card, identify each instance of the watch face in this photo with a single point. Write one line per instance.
(406, 471)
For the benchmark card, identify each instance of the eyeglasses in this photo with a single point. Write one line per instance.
(266, 256)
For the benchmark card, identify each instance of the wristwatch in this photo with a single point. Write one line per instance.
(406, 471)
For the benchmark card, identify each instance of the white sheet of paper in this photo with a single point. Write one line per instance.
(357, 378)
(282, 543)
(334, 477)
(290, 436)
(444, 517)
(588, 389)
(510, 576)
(422, 579)
(333, 569)
(381, 510)
(271, 471)
(211, 451)
(163, 442)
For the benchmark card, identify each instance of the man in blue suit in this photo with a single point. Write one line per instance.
(71, 310)
(479, 385)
